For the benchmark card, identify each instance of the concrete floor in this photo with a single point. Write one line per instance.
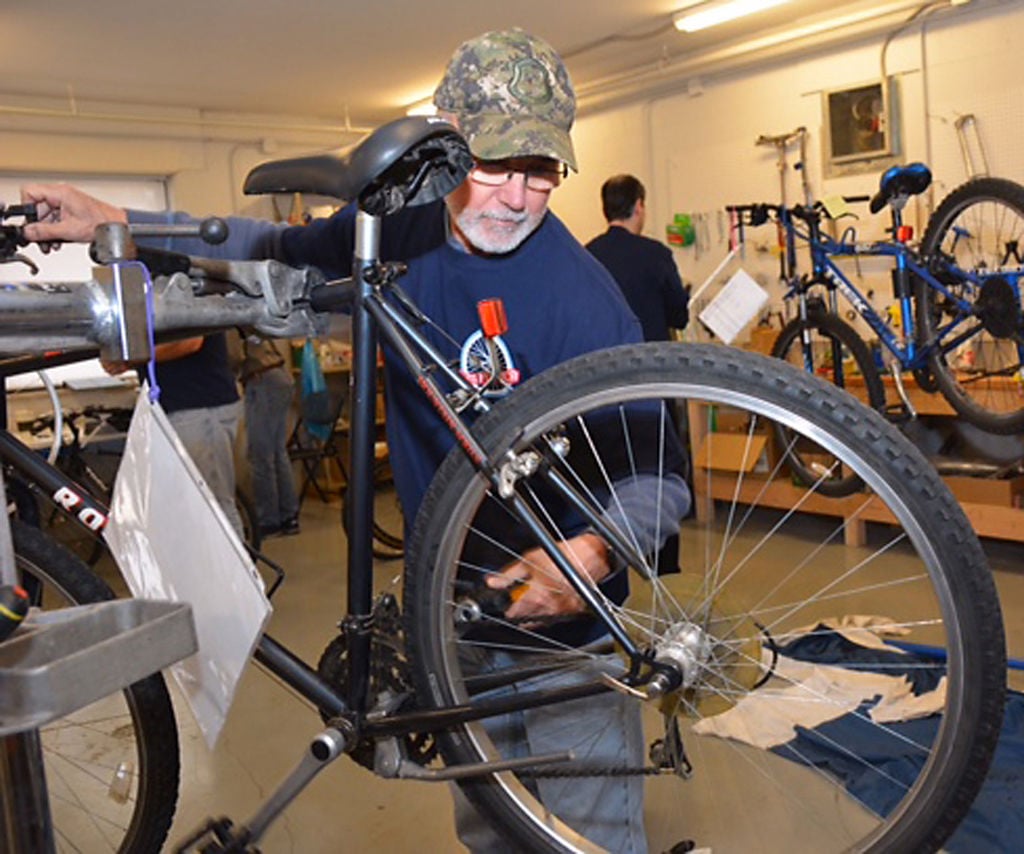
(347, 808)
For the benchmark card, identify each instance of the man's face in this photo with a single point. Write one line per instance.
(501, 203)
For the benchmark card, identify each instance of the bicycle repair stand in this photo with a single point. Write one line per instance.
(56, 663)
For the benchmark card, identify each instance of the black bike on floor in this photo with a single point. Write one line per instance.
(959, 327)
(88, 450)
(412, 691)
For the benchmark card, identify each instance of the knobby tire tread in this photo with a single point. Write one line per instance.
(935, 813)
(156, 729)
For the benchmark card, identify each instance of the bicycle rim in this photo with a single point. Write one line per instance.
(828, 340)
(112, 767)
(977, 364)
(760, 578)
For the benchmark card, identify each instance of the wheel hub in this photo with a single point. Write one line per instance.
(709, 639)
(688, 648)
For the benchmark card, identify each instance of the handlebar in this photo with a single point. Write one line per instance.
(760, 212)
(212, 230)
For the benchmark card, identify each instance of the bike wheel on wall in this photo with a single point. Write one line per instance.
(979, 327)
(758, 608)
(817, 345)
(112, 768)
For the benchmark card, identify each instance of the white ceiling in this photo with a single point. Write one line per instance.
(355, 62)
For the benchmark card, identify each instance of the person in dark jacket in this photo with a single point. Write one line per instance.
(643, 268)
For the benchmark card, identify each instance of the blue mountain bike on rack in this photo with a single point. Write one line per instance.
(960, 328)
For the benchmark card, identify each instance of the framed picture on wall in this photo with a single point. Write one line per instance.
(860, 127)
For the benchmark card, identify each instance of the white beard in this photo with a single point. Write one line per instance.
(516, 227)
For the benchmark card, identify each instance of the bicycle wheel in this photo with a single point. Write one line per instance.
(978, 329)
(816, 345)
(112, 768)
(755, 584)
(251, 535)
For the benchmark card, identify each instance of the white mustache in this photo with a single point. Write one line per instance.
(505, 216)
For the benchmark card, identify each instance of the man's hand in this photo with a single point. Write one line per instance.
(66, 214)
(545, 593)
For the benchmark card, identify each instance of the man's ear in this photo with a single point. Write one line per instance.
(451, 118)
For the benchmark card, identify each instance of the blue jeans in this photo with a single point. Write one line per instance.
(268, 398)
(208, 434)
(605, 730)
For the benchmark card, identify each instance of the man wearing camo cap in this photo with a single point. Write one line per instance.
(492, 237)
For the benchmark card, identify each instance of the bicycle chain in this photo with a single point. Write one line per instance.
(648, 771)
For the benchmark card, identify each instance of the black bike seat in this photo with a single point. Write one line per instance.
(896, 181)
(410, 161)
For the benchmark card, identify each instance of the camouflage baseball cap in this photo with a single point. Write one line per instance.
(512, 97)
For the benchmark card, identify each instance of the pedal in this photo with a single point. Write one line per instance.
(217, 836)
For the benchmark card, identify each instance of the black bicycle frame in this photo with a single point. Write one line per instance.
(373, 317)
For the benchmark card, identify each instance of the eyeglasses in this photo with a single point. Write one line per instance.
(541, 176)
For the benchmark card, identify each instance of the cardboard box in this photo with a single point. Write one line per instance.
(732, 452)
(1003, 492)
(762, 339)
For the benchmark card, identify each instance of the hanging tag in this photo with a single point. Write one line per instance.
(172, 541)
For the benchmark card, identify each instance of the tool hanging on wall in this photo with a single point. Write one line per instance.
(971, 145)
(781, 143)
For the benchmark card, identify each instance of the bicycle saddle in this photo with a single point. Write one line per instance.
(896, 181)
(410, 161)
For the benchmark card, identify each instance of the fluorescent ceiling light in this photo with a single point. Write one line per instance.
(718, 12)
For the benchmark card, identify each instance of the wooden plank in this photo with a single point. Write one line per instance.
(1003, 523)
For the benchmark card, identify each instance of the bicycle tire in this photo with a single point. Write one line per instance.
(93, 807)
(251, 534)
(737, 797)
(807, 461)
(979, 225)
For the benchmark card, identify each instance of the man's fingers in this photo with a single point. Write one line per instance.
(507, 577)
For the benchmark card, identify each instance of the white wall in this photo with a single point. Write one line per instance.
(204, 158)
(696, 152)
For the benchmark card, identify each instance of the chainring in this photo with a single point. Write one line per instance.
(389, 678)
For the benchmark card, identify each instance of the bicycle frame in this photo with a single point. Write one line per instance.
(374, 317)
(71, 498)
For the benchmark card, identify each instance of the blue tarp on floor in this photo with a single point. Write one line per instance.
(996, 821)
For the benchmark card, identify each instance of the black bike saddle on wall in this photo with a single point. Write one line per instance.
(896, 181)
(410, 161)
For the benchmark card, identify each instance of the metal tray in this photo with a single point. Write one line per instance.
(61, 661)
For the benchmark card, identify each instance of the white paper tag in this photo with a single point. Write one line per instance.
(736, 305)
(172, 541)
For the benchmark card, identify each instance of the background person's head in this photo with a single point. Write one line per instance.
(511, 97)
(619, 197)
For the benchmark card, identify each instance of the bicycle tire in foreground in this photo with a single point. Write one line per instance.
(112, 768)
(758, 587)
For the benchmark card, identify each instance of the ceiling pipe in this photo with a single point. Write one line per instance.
(261, 127)
(668, 77)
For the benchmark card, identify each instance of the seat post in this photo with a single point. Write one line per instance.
(361, 444)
